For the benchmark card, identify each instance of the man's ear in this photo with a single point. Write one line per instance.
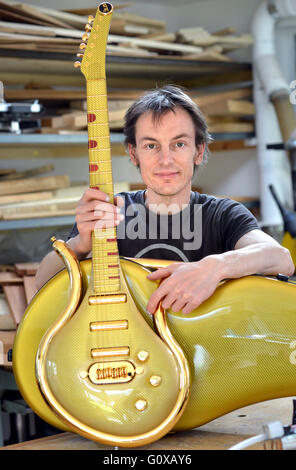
(132, 153)
(200, 150)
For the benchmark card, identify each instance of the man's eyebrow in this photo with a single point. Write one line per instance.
(148, 138)
(179, 136)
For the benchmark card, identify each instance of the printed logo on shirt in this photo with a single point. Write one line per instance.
(185, 224)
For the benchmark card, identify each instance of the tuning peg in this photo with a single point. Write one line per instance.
(79, 54)
(82, 46)
(88, 28)
(85, 37)
(77, 64)
(91, 19)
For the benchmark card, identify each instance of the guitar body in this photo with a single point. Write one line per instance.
(240, 345)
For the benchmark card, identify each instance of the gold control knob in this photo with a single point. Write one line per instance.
(87, 28)
(85, 36)
(82, 46)
(139, 370)
(141, 405)
(143, 355)
(91, 19)
(53, 239)
(77, 64)
(155, 380)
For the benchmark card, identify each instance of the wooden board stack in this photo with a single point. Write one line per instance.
(54, 80)
(29, 27)
(25, 194)
(17, 288)
(226, 112)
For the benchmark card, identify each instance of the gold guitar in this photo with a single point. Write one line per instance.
(100, 366)
(88, 358)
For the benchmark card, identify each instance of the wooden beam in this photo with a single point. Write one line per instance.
(229, 107)
(29, 185)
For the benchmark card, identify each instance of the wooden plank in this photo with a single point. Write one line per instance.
(204, 100)
(11, 27)
(20, 38)
(7, 171)
(44, 94)
(231, 127)
(33, 12)
(209, 55)
(141, 20)
(27, 269)
(229, 145)
(229, 107)
(28, 173)
(17, 16)
(34, 184)
(65, 18)
(27, 209)
(195, 440)
(166, 37)
(241, 41)
(41, 214)
(39, 196)
(10, 278)
(156, 45)
(30, 287)
(16, 299)
(225, 31)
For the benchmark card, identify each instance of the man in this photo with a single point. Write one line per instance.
(167, 139)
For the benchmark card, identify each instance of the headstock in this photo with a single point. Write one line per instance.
(93, 47)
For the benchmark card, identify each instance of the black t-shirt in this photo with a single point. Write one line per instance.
(207, 225)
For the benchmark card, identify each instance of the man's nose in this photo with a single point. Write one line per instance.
(166, 155)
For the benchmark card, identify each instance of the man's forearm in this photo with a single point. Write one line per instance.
(52, 263)
(258, 258)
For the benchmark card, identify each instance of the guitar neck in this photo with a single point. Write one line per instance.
(105, 259)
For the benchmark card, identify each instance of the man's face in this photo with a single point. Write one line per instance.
(165, 151)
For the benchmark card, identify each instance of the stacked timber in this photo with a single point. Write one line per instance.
(17, 288)
(23, 195)
(52, 79)
(29, 27)
(226, 112)
(26, 194)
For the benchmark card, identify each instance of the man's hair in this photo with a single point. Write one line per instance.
(160, 101)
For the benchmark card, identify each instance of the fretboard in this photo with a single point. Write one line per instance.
(105, 259)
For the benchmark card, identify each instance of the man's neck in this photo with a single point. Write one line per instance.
(167, 204)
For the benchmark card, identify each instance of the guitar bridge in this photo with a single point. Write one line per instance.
(114, 372)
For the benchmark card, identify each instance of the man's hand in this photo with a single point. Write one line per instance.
(185, 286)
(95, 210)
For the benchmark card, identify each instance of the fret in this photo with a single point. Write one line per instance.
(105, 262)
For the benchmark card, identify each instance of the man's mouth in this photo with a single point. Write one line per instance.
(166, 174)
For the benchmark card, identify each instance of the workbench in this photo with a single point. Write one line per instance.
(220, 434)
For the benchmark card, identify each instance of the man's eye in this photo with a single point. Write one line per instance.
(180, 144)
(151, 146)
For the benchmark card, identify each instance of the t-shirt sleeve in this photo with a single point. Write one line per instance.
(235, 221)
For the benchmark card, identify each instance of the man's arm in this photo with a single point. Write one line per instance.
(186, 285)
(52, 263)
(256, 253)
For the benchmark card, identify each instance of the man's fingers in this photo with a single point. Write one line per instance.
(159, 273)
(93, 193)
(119, 201)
